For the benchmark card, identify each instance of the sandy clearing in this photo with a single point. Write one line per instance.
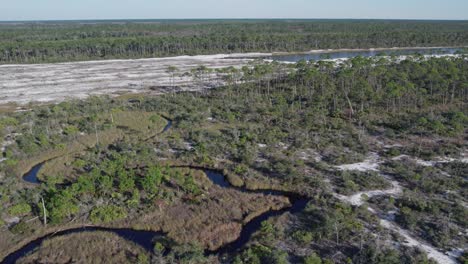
(60, 81)
(429, 163)
(371, 163)
(359, 198)
(412, 242)
(3, 147)
(309, 154)
(181, 58)
(398, 59)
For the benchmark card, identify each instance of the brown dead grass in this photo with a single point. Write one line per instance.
(8, 108)
(92, 247)
(214, 220)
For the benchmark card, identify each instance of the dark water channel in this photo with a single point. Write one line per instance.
(31, 176)
(146, 238)
(298, 202)
(168, 126)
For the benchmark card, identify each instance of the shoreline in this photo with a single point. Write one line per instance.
(328, 51)
(233, 56)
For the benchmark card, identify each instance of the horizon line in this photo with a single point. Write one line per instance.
(193, 19)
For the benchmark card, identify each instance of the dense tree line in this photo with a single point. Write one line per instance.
(362, 85)
(49, 42)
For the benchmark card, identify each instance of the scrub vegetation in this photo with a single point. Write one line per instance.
(374, 148)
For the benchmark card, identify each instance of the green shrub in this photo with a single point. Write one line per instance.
(159, 248)
(143, 259)
(393, 152)
(21, 228)
(312, 259)
(19, 209)
(241, 169)
(303, 237)
(61, 205)
(79, 163)
(107, 214)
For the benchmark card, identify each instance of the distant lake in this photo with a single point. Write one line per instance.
(343, 54)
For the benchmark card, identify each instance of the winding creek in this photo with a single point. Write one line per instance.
(146, 238)
(142, 238)
(168, 126)
(298, 202)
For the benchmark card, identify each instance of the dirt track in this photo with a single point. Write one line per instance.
(56, 82)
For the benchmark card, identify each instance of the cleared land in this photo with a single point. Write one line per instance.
(22, 84)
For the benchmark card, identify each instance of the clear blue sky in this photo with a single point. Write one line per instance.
(146, 9)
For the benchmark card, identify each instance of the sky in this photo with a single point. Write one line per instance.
(11, 10)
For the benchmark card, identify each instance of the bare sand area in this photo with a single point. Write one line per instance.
(22, 84)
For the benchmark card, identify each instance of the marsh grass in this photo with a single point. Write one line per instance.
(93, 247)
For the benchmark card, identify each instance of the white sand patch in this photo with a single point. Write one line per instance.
(188, 146)
(371, 163)
(61, 81)
(282, 145)
(398, 59)
(429, 163)
(431, 251)
(393, 146)
(5, 144)
(424, 162)
(3, 147)
(359, 198)
(310, 154)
